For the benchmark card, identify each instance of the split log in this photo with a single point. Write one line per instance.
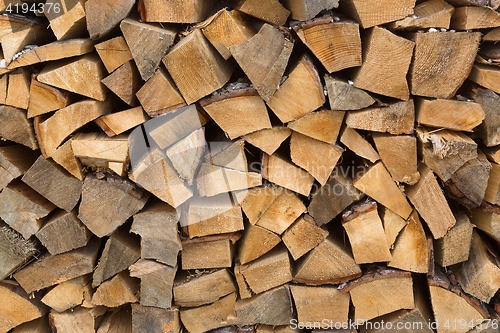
(186, 154)
(193, 58)
(332, 198)
(258, 200)
(262, 60)
(428, 14)
(488, 222)
(302, 236)
(479, 276)
(493, 154)
(150, 319)
(300, 93)
(15, 160)
(445, 151)
(15, 250)
(317, 157)
(116, 321)
(492, 194)
(45, 98)
(228, 28)
(489, 130)
(4, 81)
(344, 96)
(486, 76)
(454, 115)
(323, 125)
(157, 226)
(474, 17)
(114, 52)
(335, 42)
(399, 155)
(148, 43)
(353, 140)
(209, 252)
(78, 320)
(121, 289)
(454, 247)
(429, 200)
(204, 289)
(118, 122)
(393, 224)
(64, 157)
(156, 282)
(305, 10)
(410, 249)
(366, 234)
(66, 295)
(397, 118)
(191, 11)
(237, 111)
(49, 270)
(23, 209)
(320, 304)
(282, 212)
(100, 24)
(63, 232)
(107, 203)
(380, 292)
(70, 23)
(271, 11)
(40, 325)
(377, 183)
(372, 14)
(431, 48)
(17, 307)
(382, 72)
(20, 129)
(18, 91)
(268, 140)
(156, 104)
(90, 71)
(53, 51)
(32, 31)
(208, 317)
(213, 180)
(256, 242)
(285, 174)
(121, 250)
(125, 83)
(328, 263)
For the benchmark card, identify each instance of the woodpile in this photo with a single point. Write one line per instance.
(249, 166)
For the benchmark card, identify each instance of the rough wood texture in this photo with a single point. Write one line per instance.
(107, 203)
(492, 194)
(332, 198)
(66, 295)
(428, 14)
(454, 115)
(353, 140)
(399, 155)
(437, 71)
(119, 122)
(18, 91)
(191, 11)
(268, 140)
(186, 154)
(323, 125)
(489, 130)
(45, 98)
(157, 226)
(15, 160)
(208, 317)
(454, 247)
(384, 72)
(100, 24)
(60, 74)
(71, 23)
(305, 10)
(120, 290)
(226, 29)
(148, 43)
(397, 118)
(428, 199)
(156, 282)
(300, 93)
(474, 17)
(370, 14)
(263, 58)
(150, 319)
(393, 224)
(378, 184)
(271, 11)
(256, 242)
(196, 67)
(49, 270)
(64, 157)
(209, 252)
(336, 43)
(52, 132)
(302, 236)
(15, 250)
(114, 53)
(344, 96)
(125, 82)
(63, 232)
(366, 234)
(19, 129)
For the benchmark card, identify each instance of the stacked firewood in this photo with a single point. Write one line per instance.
(249, 166)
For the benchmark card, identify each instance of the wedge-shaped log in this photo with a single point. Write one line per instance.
(186, 154)
(193, 58)
(256, 242)
(305, 10)
(64, 157)
(268, 140)
(15, 250)
(271, 11)
(19, 129)
(488, 222)
(209, 252)
(378, 12)
(191, 11)
(489, 130)
(454, 247)
(119, 122)
(438, 67)
(114, 52)
(257, 200)
(323, 125)
(428, 14)
(71, 22)
(382, 71)
(302, 236)
(151, 319)
(285, 174)
(78, 320)
(486, 76)
(353, 140)
(54, 183)
(492, 194)
(429, 200)
(125, 83)
(156, 282)
(66, 295)
(121, 289)
(344, 96)
(15, 160)
(148, 43)
(393, 224)
(45, 98)
(264, 58)
(18, 90)
(366, 234)
(107, 203)
(103, 16)
(301, 92)
(397, 118)
(49, 270)
(475, 17)
(208, 317)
